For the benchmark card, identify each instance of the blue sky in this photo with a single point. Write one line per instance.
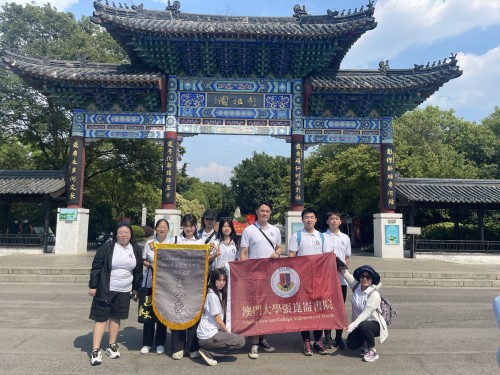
(408, 32)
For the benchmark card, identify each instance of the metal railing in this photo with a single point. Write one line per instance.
(21, 240)
(450, 246)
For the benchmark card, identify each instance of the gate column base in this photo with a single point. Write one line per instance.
(388, 235)
(291, 226)
(71, 236)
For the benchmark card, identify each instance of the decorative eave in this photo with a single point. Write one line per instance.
(90, 86)
(405, 89)
(23, 184)
(78, 72)
(445, 192)
(179, 43)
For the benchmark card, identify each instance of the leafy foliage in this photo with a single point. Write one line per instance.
(259, 178)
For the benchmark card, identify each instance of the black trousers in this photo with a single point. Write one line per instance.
(366, 332)
(185, 339)
(148, 334)
(317, 335)
(338, 332)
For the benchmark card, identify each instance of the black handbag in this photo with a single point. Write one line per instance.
(145, 305)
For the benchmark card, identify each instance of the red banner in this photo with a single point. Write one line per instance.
(285, 295)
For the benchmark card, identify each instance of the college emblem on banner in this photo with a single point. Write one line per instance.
(285, 282)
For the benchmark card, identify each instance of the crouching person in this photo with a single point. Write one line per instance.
(368, 322)
(213, 335)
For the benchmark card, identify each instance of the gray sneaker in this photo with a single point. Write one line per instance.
(254, 352)
(265, 346)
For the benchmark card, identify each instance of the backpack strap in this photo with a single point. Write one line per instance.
(209, 237)
(175, 239)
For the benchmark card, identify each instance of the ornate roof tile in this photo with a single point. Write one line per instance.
(445, 191)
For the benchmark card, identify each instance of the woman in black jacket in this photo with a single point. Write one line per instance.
(115, 277)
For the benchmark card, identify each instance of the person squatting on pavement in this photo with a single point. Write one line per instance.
(213, 335)
(258, 241)
(367, 321)
(115, 277)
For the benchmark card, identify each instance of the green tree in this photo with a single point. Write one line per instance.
(259, 178)
(424, 147)
(343, 178)
(492, 124)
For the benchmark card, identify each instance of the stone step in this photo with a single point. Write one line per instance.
(440, 282)
(43, 271)
(42, 279)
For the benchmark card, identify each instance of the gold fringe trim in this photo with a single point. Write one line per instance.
(194, 247)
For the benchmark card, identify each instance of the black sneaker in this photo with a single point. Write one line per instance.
(339, 343)
(328, 342)
(307, 348)
(96, 357)
(320, 348)
(264, 345)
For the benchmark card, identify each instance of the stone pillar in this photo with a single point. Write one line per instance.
(388, 235)
(71, 235)
(387, 179)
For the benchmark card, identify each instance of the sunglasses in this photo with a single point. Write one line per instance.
(365, 276)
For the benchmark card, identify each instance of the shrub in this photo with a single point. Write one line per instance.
(148, 231)
(138, 232)
(446, 231)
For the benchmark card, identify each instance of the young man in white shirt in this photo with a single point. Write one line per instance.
(308, 241)
(342, 245)
(258, 241)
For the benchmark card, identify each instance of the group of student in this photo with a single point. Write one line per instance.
(115, 276)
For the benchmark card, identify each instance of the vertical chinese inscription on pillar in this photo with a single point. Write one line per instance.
(74, 186)
(297, 180)
(388, 176)
(169, 170)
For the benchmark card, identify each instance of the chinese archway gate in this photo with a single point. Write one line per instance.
(181, 82)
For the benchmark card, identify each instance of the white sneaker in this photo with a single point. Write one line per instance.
(207, 357)
(160, 349)
(194, 355)
(145, 349)
(371, 356)
(96, 357)
(178, 355)
(112, 351)
(254, 352)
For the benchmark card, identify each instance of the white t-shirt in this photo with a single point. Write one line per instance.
(227, 253)
(310, 243)
(181, 240)
(342, 247)
(149, 255)
(122, 267)
(208, 326)
(258, 246)
(358, 301)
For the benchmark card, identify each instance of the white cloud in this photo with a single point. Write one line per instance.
(213, 172)
(476, 91)
(60, 5)
(406, 24)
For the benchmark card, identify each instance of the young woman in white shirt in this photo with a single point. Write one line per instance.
(213, 335)
(148, 255)
(185, 341)
(225, 245)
